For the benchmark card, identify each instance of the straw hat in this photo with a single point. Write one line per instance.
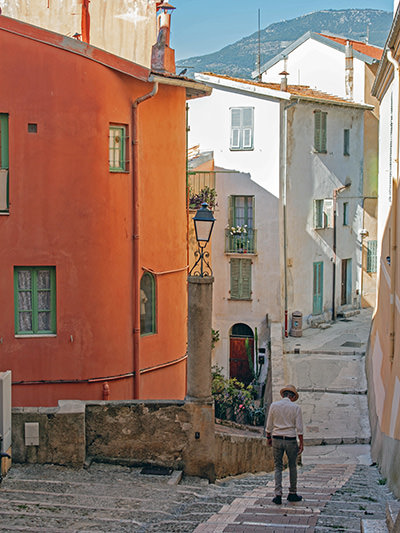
(290, 388)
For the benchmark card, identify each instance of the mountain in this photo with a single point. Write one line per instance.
(239, 59)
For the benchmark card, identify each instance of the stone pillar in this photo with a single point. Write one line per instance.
(199, 339)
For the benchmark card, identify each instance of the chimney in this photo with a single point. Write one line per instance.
(284, 75)
(349, 71)
(85, 21)
(162, 56)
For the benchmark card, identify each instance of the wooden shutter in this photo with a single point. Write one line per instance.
(328, 213)
(247, 127)
(245, 278)
(231, 214)
(318, 214)
(320, 123)
(372, 256)
(236, 128)
(235, 276)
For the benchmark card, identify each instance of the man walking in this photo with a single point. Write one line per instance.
(284, 421)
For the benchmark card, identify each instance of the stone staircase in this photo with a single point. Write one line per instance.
(390, 525)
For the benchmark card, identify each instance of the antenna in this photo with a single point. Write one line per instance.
(259, 48)
(367, 38)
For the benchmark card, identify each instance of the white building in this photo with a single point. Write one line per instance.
(346, 68)
(294, 157)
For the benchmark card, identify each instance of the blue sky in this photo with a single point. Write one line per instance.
(204, 26)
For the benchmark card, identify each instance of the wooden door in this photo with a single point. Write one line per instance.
(318, 287)
(239, 361)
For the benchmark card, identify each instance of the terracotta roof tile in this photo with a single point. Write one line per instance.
(363, 48)
(298, 90)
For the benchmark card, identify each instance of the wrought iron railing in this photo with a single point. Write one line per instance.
(241, 243)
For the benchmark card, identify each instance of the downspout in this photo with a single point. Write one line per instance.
(393, 251)
(285, 152)
(136, 237)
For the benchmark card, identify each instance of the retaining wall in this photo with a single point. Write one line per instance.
(176, 434)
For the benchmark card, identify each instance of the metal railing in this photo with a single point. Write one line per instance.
(241, 244)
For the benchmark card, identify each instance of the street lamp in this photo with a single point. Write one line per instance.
(203, 226)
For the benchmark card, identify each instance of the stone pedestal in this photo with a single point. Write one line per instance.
(199, 339)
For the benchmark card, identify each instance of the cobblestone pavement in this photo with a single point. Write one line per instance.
(118, 499)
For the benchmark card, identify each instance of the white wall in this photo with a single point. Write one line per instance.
(210, 126)
(385, 177)
(321, 67)
(315, 176)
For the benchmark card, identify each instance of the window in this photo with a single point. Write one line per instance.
(147, 304)
(240, 279)
(372, 256)
(320, 120)
(346, 142)
(117, 148)
(242, 128)
(4, 162)
(35, 300)
(240, 234)
(323, 213)
(345, 213)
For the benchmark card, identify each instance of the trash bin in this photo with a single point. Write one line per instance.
(296, 329)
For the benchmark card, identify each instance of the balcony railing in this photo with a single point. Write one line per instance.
(241, 244)
(199, 180)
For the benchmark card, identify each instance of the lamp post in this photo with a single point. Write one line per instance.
(199, 396)
(203, 226)
(200, 282)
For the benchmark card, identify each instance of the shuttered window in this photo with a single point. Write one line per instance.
(35, 300)
(320, 122)
(240, 279)
(346, 142)
(242, 128)
(323, 213)
(372, 256)
(147, 304)
(117, 148)
(3, 162)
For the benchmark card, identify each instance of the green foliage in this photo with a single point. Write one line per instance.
(207, 194)
(382, 481)
(235, 401)
(214, 337)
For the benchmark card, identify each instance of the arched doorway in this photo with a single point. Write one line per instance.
(239, 366)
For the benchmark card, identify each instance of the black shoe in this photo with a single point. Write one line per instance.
(277, 500)
(294, 498)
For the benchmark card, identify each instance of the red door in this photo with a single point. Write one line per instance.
(239, 361)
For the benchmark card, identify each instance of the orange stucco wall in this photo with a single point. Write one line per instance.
(67, 210)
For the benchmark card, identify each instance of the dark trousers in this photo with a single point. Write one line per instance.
(290, 447)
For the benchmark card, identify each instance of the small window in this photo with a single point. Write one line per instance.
(346, 142)
(242, 128)
(35, 300)
(320, 123)
(147, 304)
(372, 256)
(4, 170)
(345, 213)
(117, 148)
(323, 213)
(240, 279)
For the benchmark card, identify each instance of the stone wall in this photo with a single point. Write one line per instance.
(166, 433)
(237, 454)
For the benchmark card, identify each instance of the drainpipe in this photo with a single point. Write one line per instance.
(335, 193)
(393, 251)
(285, 151)
(136, 237)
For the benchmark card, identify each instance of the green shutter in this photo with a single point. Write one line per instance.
(246, 278)
(240, 279)
(231, 213)
(318, 214)
(372, 256)
(320, 123)
(235, 275)
(346, 142)
(4, 140)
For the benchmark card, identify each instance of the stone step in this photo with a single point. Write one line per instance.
(393, 516)
(373, 526)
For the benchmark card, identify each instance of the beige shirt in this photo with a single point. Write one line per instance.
(285, 418)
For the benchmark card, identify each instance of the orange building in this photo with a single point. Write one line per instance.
(93, 221)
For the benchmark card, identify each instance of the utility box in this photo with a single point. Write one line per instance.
(297, 324)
